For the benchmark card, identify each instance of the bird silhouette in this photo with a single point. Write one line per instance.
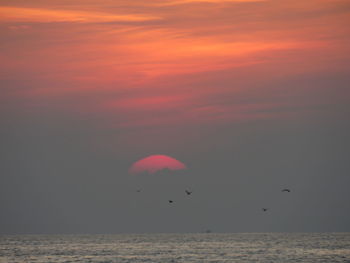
(188, 192)
(286, 190)
(265, 209)
(171, 201)
(138, 190)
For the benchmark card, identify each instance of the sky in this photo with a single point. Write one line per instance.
(251, 95)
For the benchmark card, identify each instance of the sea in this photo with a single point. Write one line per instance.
(164, 248)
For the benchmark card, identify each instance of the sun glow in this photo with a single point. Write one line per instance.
(155, 163)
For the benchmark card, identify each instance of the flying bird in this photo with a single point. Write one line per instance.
(138, 190)
(188, 192)
(265, 209)
(286, 190)
(171, 201)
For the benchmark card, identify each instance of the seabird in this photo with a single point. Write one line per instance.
(188, 192)
(286, 190)
(265, 209)
(171, 201)
(138, 190)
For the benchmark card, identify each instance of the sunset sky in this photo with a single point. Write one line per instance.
(252, 95)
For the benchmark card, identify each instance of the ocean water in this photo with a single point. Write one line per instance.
(163, 248)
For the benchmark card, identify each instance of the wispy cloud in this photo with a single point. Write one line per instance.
(185, 63)
(180, 2)
(23, 15)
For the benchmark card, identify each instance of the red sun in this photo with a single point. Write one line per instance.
(155, 163)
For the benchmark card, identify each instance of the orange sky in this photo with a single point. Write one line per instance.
(176, 62)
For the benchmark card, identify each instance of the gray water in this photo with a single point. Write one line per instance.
(163, 248)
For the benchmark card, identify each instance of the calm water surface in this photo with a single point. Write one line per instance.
(163, 248)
